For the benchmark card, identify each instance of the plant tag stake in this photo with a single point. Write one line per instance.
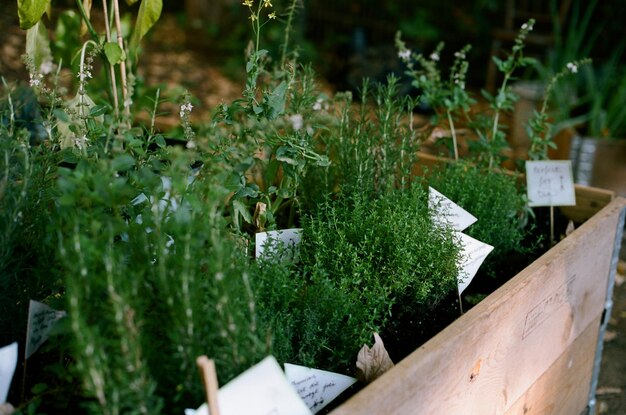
(261, 390)
(41, 319)
(8, 362)
(550, 183)
(474, 253)
(446, 212)
(269, 243)
(317, 388)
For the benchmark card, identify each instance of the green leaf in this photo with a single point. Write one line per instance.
(160, 141)
(114, 53)
(276, 100)
(287, 155)
(149, 13)
(123, 162)
(241, 209)
(38, 45)
(30, 12)
(98, 110)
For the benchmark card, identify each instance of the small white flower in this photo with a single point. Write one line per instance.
(404, 54)
(296, 121)
(459, 55)
(434, 57)
(525, 26)
(81, 142)
(190, 144)
(572, 67)
(318, 105)
(35, 79)
(46, 67)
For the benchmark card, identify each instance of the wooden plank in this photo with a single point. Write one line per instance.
(564, 388)
(589, 201)
(487, 360)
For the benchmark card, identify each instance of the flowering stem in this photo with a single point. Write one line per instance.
(116, 103)
(120, 42)
(453, 131)
(82, 75)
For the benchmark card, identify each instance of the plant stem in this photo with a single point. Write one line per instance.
(453, 131)
(120, 42)
(83, 14)
(292, 10)
(116, 103)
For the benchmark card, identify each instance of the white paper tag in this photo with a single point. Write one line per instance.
(41, 319)
(550, 183)
(474, 253)
(266, 242)
(8, 363)
(447, 212)
(261, 390)
(317, 388)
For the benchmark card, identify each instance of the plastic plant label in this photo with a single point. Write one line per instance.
(317, 388)
(474, 253)
(8, 363)
(41, 319)
(447, 212)
(550, 183)
(261, 390)
(286, 240)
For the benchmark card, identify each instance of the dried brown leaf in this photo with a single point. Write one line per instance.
(373, 362)
(621, 267)
(619, 279)
(570, 228)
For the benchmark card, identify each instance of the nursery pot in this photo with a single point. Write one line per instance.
(599, 162)
(531, 347)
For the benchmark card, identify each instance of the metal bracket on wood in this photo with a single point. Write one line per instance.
(608, 307)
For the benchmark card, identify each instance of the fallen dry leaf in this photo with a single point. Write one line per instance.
(372, 362)
(570, 228)
(621, 267)
(608, 390)
(603, 407)
(609, 335)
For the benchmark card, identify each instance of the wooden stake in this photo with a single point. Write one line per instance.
(460, 303)
(209, 381)
(551, 226)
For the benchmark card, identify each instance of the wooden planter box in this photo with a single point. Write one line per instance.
(531, 347)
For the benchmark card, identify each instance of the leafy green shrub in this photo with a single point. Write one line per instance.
(382, 259)
(495, 199)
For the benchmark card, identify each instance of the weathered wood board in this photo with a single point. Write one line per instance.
(527, 348)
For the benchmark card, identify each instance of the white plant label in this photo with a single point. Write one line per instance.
(8, 363)
(448, 212)
(261, 390)
(317, 388)
(41, 319)
(550, 183)
(267, 242)
(474, 253)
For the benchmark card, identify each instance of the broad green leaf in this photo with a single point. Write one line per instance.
(38, 46)
(149, 13)
(241, 209)
(276, 100)
(123, 162)
(114, 53)
(30, 12)
(98, 110)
